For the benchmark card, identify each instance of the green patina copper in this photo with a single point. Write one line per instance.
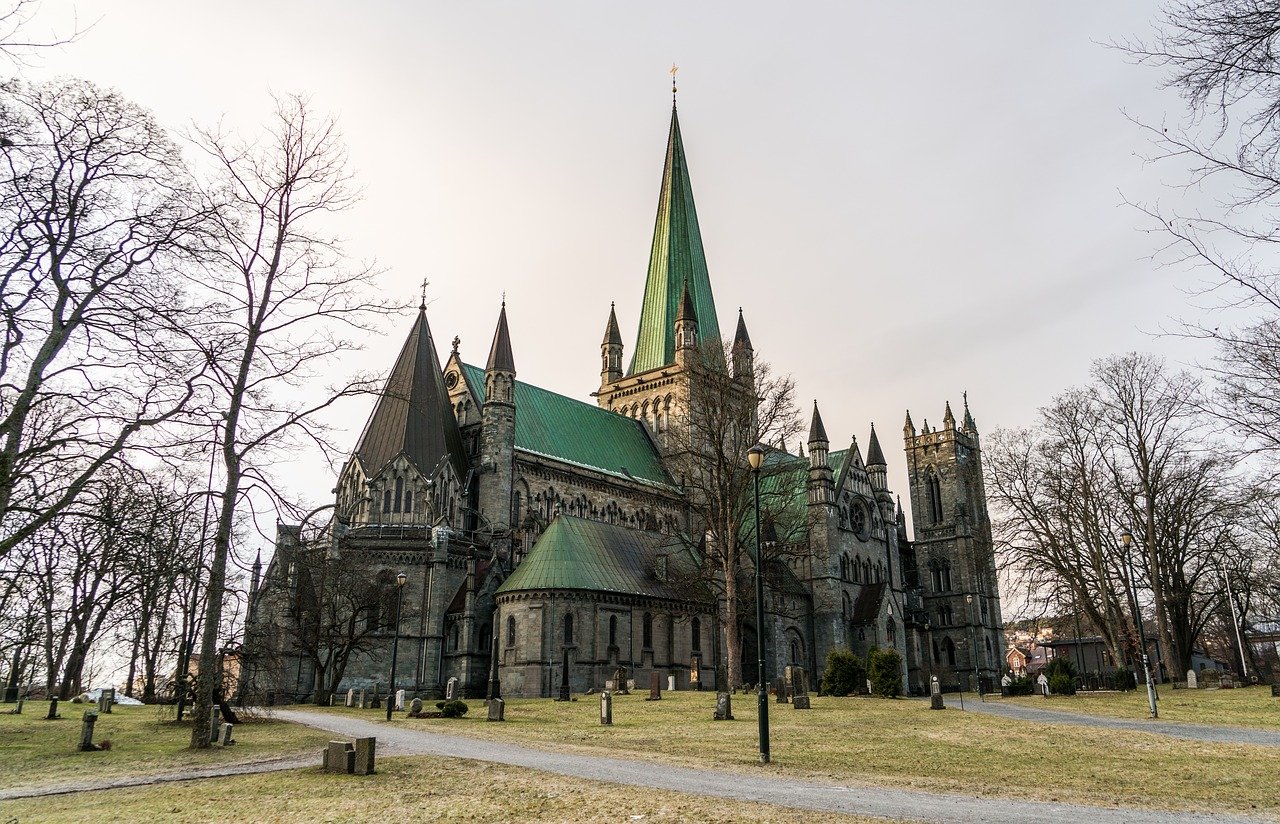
(576, 553)
(675, 259)
(579, 433)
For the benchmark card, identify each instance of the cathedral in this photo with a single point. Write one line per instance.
(485, 527)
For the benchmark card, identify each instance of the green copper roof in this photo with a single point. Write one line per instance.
(579, 433)
(675, 259)
(575, 553)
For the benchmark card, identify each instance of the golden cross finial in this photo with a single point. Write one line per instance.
(674, 69)
(425, 283)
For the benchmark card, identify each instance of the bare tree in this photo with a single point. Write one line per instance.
(16, 20)
(98, 215)
(284, 292)
(727, 412)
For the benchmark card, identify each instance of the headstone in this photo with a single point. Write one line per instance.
(565, 694)
(340, 757)
(1191, 679)
(333, 699)
(364, 701)
(631, 684)
(363, 764)
(376, 702)
(351, 697)
(53, 709)
(655, 687)
(799, 688)
(724, 707)
(227, 740)
(399, 700)
(620, 680)
(86, 731)
(103, 701)
(215, 724)
(610, 685)
(451, 689)
(671, 683)
(606, 708)
(497, 709)
(780, 689)
(935, 695)
(415, 707)
(495, 684)
(1275, 690)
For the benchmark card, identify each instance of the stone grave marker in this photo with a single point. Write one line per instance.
(1275, 690)
(399, 700)
(376, 702)
(451, 689)
(227, 740)
(722, 678)
(363, 762)
(606, 708)
(780, 689)
(351, 697)
(655, 687)
(104, 701)
(935, 695)
(799, 688)
(724, 707)
(1191, 679)
(86, 731)
(333, 700)
(565, 693)
(415, 707)
(610, 684)
(631, 684)
(671, 683)
(497, 709)
(53, 709)
(340, 757)
(215, 724)
(364, 701)
(620, 681)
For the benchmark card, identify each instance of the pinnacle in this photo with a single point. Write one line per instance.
(500, 357)
(817, 432)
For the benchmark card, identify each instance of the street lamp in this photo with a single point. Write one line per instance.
(395, 643)
(1126, 538)
(977, 680)
(755, 457)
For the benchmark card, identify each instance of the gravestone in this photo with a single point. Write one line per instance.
(351, 697)
(364, 702)
(671, 683)
(363, 761)
(451, 689)
(399, 700)
(497, 709)
(415, 707)
(1191, 679)
(799, 688)
(105, 699)
(610, 685)
(631, 684)
(340, 757)
(227, 740)
(565, 694)
(215, 724)
(655, 687)
(53, 709)
(935, 695)
(376, 702)
(620, 680)
(695, 673)
(333, 700)
(606, 708)
(724, 707)
(1275, 690)
(780, 689)
(86, 731)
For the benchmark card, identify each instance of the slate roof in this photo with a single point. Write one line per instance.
(500, 357)
(867, 607)
(676, 258)
(579, 433)
(413, 414)
(875, 455)
(579, 554)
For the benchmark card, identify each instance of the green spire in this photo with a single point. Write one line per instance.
(676, 259)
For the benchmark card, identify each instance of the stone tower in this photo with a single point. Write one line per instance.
(954, 553)
(497, 433)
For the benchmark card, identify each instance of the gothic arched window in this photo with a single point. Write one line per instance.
(949, 649)
(613, 630)
(568, 628)
(695, 636)
(511, 631)
(647, 633)
(891, 632)
(395, 502)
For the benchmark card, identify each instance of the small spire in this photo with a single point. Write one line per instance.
(257, 562)
(969, 424)
(740, 337)
(500, 357)
(909, 427)
(612, 337)
(687, 312)
(817, 432)
(948, 420)
(875, 455)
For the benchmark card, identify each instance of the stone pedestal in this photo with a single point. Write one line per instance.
(227, 740)
(935, 695)
(363, 762)
(671, 683)
(86, 731)
(606, 708)
(340, 757)
(724, 707)
(655, 687)
(497, 709)
(351, 697)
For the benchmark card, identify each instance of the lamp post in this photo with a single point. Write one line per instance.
(395, 643)
(755, 457)
(973, 640)
(1235, 619)
(1126, 538)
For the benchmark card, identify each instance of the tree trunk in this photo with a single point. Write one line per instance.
(732, 632)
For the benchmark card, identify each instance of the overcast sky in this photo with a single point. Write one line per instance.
(909, 200)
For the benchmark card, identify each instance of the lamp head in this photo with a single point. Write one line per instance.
(400, 579)
(1126, 537)
(755, 456)
(968, 599)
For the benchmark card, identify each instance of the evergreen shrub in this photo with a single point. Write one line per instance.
(844, 675)
(884, 668)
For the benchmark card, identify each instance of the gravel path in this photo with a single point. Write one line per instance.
(779, 790)
(1173, 729)
(270, 765)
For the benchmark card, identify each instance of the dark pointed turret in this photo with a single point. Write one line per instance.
(675, 259)
(948, 419)
(611, 351)
(821, 478)
(875, 455)
(817, 432)
(743, 353)
(500, 357)
(969, 425)
(686, 327)
(909, 428)
(413, 415)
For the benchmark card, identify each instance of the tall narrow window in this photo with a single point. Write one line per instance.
(568, 628)
(647, 634)
(408, 500)
(386, 500)
(395, 503)
(949, 649)
(795, 653)
(695, 642)
(613, 630)
(511, 631)
(891, 632)
(935, 498)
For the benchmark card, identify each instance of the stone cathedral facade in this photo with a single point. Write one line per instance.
(558, 527)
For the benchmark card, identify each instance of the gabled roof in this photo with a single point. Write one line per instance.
(867, 607)
(676, 258)
(580, 554)
(579, 433)
(413, 415)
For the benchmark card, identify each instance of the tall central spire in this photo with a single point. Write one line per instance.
(676, 259)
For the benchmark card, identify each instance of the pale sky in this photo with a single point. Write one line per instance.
(909, 200)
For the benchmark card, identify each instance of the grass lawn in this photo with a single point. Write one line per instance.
(405, 789)
(143, 740)
(1247, 707)
(899, 743)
